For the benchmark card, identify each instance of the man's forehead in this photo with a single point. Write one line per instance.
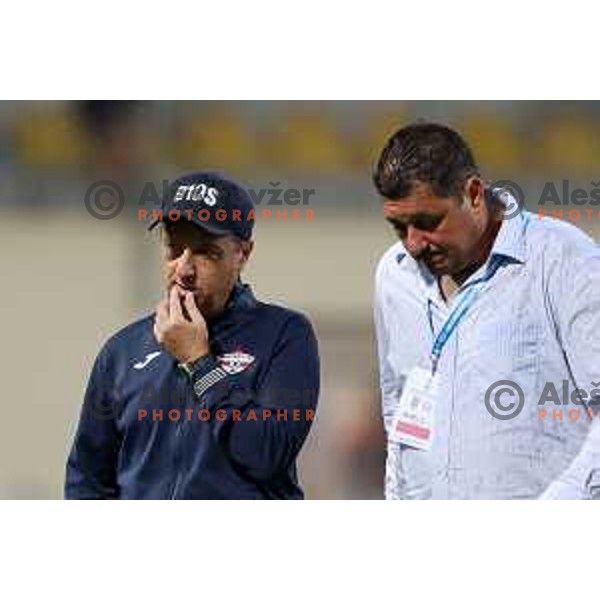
(412, 205)
(184, 231)
(420, 199)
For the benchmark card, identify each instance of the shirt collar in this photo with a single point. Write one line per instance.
(241, 298)
(510, 241)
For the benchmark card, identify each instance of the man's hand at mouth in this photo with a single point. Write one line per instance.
(185, 339)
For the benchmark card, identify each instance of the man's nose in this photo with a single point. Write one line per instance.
(415, 242)
(185, 266)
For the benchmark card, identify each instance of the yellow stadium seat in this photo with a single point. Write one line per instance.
(494, 141)
(49, 138)
(569, 144)
(216, 139)
(308, 141)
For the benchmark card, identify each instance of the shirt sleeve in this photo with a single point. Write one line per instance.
(577, 308)
(91, 465)
(263, 431)
(389, 393)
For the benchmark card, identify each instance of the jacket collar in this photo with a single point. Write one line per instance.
(240, 301)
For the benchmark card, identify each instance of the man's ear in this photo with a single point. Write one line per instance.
(245, 248)
(474, 192)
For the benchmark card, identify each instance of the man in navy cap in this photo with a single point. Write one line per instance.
(213, 395)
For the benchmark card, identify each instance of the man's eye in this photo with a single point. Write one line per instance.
(174, 251)
(427, 223)
(210, 253)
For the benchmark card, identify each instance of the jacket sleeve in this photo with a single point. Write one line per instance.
(91, 465)
(263, 432)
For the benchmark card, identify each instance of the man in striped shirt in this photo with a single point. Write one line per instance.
(485, 321)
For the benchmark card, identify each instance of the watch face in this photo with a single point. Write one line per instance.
(185, 367)
(191, 367)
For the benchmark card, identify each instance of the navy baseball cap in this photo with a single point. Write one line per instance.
(210, 201)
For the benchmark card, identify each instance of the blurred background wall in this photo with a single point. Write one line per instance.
(71, 280)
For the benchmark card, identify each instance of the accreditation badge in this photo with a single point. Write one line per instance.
(413, 420)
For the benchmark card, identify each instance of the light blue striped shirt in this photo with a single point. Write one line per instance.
(535, 322)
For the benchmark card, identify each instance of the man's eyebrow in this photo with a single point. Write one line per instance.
(206, 245)
(195, 244)
(412, 218)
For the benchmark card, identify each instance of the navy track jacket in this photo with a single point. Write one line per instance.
(232, 430)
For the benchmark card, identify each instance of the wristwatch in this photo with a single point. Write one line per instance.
(189, 368)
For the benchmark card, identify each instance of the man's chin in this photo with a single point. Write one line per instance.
(438, 265)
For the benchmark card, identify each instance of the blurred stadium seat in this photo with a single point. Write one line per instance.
(217, 138)
(494, 141)
(307, 142)
(570, 144)
(50, 136)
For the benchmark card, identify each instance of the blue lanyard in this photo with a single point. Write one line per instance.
(457, 314)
